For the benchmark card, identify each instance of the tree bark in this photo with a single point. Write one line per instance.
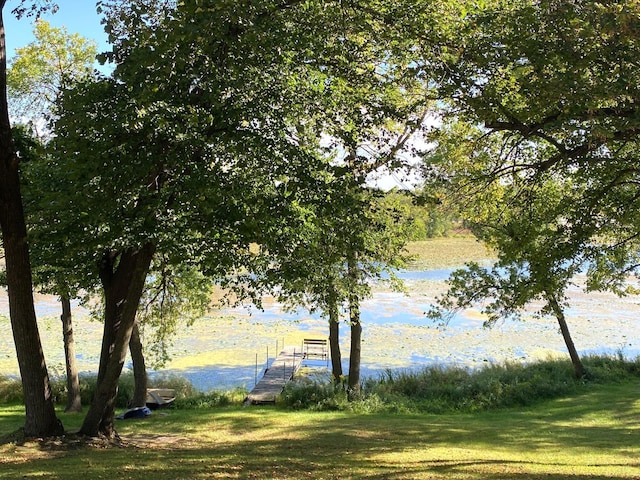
(122, 275)
(74, 402)
(356, 328)
(564, 328)
(356, 348)
(41, 420)
(334, 339)
(139, 369)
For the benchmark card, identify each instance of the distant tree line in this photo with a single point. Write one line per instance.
(424, 218)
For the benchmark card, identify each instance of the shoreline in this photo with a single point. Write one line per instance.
(219, 351)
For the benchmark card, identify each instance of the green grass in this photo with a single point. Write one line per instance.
(593, 435)
(591, 429)
(11, 389)
(438, 389)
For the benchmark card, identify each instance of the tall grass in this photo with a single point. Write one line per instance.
(453, 389)
(11, 388)
(434, 389)
(211, 399)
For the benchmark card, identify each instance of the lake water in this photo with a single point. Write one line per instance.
(229, 348)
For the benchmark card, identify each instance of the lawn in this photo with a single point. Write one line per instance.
(595, 435)
(592, 435)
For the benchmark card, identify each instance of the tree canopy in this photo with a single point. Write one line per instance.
(540, 146)
(555, 107)
(201, 146)
(234, 140)
(41, 69)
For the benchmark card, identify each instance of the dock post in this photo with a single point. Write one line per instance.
(273, 382)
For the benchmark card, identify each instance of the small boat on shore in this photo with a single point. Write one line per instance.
(160, 397)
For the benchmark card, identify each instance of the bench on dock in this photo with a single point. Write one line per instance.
(315, 348)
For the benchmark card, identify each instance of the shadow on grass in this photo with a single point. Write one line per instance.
(591, 436)
(11, 423)
(349, 456)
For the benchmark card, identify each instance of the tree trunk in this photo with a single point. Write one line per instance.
(356, 347)
(139, 369)
(564, 328)
(356, 326)
(334, 340)
(74, 403)
(41, 420)
(122, 276)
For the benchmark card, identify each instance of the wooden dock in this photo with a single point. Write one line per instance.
(276, 377)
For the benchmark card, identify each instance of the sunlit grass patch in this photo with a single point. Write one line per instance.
(591, 434)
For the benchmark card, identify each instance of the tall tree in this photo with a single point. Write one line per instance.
(313, 266)
(557, 110)
(37, 75)
(523, 223)
(31, 153)
(44, 67)
(188, 150)
(41, 419)
(364, 126)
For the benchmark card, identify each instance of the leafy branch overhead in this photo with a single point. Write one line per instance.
(220, 153)
(540, 146)
(32, 9)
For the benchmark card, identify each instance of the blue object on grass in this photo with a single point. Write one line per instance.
(138, 412)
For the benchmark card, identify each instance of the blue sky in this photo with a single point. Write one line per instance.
(79, 16)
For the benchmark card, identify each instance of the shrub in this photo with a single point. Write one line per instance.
(10, 390)
(611, 368)
(439, 389)
(126, 386)
(211, 399)
(305, 394)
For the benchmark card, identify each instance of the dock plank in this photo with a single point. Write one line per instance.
(281, 371)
